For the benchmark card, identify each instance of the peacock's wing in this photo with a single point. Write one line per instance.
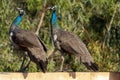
(35, 47)
(71, 44)
(38, 56)
(25, 38)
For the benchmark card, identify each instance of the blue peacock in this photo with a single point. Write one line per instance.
(28, 41)
(67, 42)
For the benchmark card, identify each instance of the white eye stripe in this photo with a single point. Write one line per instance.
(21, 10)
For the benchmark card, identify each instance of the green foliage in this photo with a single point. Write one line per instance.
(89, 19)
(51, 66)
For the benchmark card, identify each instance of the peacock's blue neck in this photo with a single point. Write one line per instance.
(17, 20)
(54, 22)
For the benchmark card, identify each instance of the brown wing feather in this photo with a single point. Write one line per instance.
(26, 38)
(71, 44)
(34, 46)
(38, 55)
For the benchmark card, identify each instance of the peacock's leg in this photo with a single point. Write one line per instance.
(27, 66)
(61, 67)
(22, 67)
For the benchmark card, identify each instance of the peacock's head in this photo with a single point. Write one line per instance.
(21, 11)
(52, 8)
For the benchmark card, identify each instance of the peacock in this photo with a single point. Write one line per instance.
(67, 42)
(29, 42)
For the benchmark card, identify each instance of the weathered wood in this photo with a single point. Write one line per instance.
(60, 76)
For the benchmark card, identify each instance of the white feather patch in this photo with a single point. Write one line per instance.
(55, 37)
(11, 34)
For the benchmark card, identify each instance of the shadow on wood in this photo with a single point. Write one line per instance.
(72, 74)
(25, 75)
(114, 76)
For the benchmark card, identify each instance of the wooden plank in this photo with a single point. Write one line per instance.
(60, 76)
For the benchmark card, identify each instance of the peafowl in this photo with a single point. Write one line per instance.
(67, 42)
(28, 41)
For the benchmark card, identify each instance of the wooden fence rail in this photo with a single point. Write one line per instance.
(60, 76)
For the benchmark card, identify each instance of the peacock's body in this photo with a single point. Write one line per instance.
(68, 42)
(28, 41)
